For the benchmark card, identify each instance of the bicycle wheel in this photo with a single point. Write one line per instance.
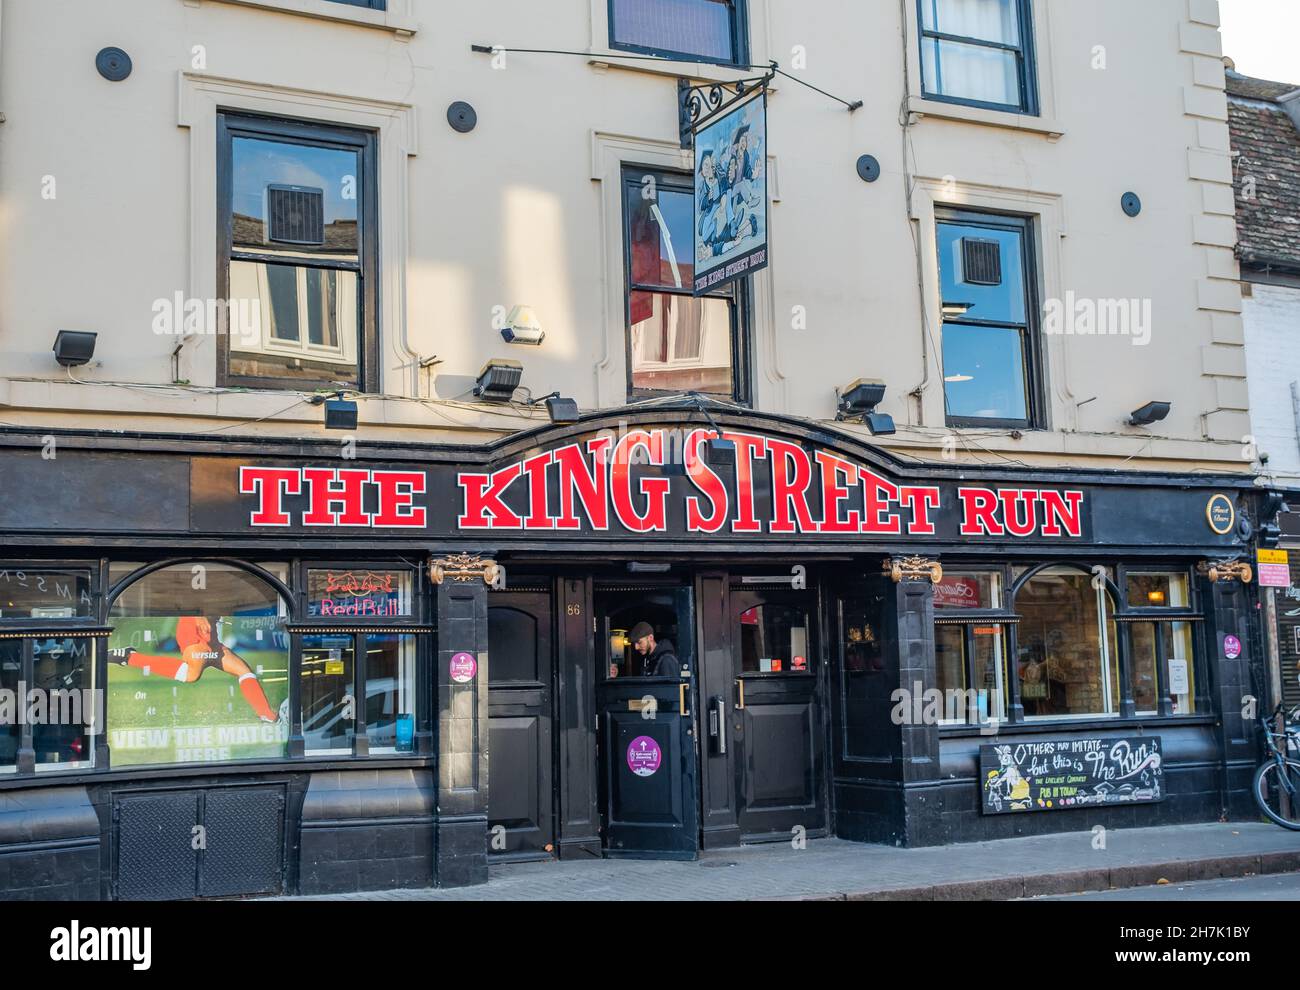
(1272, 796)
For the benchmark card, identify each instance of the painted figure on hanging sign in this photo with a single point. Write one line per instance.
(731, 196)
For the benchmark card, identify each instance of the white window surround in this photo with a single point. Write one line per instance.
(1045, 123)
(1047, 213)
(201, 97)
(603, 56)
(609, 153)
(396, 18)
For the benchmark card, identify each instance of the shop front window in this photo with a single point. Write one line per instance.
(1170, 644)
(198, 668)
(390, 692)
(63, 677)
(1066, 657)
(961, 649)
(11, 673)
(34, 593)
(774, 640)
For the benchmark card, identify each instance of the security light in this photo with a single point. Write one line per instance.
(498, 380)
(1152, 412)
(560, 408)
(74, 347)
(858, 402)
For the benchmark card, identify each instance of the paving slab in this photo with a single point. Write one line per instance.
(834, 869)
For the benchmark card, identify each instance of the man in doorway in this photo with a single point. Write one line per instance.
(658, 658)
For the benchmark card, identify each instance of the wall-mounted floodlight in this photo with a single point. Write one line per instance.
(858, 402)
(74, 347)
(498, 380)
(1152, 412)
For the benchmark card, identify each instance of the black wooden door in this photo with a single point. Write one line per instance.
(776, 713)
(648, 768)
(521, 762)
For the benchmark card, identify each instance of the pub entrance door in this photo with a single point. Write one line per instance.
(521, 798)
(646, 730)
(770, 715)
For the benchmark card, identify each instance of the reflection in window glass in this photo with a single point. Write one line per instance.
(44, 593)
(198, 668)
(1176, 640)
(972, 51)
(990, 696)
(390, 692)
(1157, 589)
(681, 344)
(968, 589)
(11, 672)
(1066, 659)
(328, 705)
(774, 640)
(63, 672)
(699, 28)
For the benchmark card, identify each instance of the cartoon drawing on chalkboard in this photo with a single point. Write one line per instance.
(1007, 783)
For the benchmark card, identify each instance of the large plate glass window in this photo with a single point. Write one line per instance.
(699, 30)
(676, 342)
(1162, 650)
(298, 206)
(333, 664)
(979, 52)
(198, 668)
(991, 355)
(1067, 658)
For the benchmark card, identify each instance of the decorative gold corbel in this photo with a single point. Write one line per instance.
(1226, 570)
(463, 567)
(913, 569)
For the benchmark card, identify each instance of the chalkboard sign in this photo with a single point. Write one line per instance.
(1070, 773)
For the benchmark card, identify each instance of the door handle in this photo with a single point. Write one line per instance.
(718, 722)
(740, 686)
(681, 699)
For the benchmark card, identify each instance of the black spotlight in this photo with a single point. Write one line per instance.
(1152, 412)
(498, 380)
(74, 347)
(340, 413)
(719, 451)
(562, 410)
(858, 402)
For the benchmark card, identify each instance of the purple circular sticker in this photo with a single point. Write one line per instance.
(463, 668)
(643, 756)
(1231, 647)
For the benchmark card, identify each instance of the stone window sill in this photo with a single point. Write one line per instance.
(330, 10)
(978, 115)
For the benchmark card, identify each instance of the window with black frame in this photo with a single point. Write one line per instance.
(676, 342)
(992, 363)
(699, 30)
(1161, 642)
(979, 52)
(970, 646)
(362, 644)
(51, 713)
(298, 254)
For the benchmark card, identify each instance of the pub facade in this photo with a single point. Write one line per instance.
(392, 669)
(617, 429)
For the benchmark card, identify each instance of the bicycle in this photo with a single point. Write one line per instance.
(1277, 781)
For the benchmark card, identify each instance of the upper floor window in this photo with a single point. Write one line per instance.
(298, 258)
(991, 355)
(676, 342)
(372, 4)
(978, 52)
(700, 30)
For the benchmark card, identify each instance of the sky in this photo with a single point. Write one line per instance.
(1263, 37)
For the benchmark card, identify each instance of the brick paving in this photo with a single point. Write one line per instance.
(835, 869)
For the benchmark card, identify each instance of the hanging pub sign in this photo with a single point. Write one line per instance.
(1070, 773)
(731, 194)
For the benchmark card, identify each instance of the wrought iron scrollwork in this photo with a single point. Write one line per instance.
(697, 105)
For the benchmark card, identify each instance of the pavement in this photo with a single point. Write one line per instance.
(1272, 888)
(833, 869)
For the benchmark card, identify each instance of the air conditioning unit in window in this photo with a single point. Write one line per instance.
(981, 261)
(295, 215)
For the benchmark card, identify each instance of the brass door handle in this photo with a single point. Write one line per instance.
(740, 685)
(681, 699)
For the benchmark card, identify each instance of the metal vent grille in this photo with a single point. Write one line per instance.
(981, 261)
(295, 215)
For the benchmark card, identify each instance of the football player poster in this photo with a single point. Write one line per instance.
(197, 689)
